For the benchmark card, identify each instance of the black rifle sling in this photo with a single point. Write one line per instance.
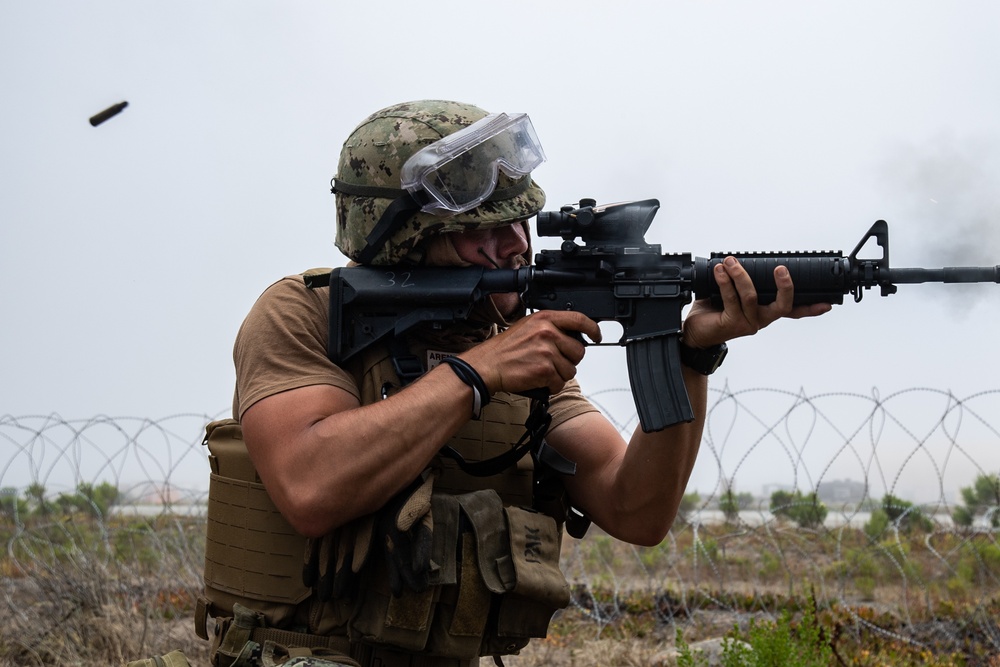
(536, 426)
(408, 367)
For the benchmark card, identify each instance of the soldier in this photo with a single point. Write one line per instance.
(411, 558)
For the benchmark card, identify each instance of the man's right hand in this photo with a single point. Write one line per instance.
(537, 351)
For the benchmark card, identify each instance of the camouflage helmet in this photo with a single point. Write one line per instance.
(368, 181)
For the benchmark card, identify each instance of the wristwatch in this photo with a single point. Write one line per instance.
(703, 360)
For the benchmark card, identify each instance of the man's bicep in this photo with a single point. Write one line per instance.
(276, 421)
(286, 448)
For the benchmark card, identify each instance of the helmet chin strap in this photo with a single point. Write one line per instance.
(488, 258)
(392, 219)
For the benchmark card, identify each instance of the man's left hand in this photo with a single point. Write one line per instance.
(741, 314)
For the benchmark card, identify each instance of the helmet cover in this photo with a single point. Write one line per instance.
(373, 156)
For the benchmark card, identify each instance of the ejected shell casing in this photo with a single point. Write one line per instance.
(113, 110)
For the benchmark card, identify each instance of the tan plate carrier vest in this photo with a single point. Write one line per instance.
(495, 574)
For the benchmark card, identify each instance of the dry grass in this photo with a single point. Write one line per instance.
(88, 594)
(77, 592)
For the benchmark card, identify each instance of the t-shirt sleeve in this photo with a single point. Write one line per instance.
(282, 345)
(569, 403)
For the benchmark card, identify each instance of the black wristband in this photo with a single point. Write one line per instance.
(467, 374)
(705, 361)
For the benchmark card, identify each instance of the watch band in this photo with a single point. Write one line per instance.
(705, 361)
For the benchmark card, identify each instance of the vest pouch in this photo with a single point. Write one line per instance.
(403, 623)
(539, 590)
(450, 618)
(253, 557)
(480, 550)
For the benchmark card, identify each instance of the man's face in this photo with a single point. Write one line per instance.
(500, 247)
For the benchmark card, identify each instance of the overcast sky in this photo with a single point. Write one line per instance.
(130, 252)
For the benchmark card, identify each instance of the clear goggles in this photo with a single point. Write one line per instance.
(460, 171)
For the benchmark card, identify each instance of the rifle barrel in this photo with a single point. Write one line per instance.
(949, 274)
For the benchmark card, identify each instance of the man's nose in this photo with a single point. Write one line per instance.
(511, 240)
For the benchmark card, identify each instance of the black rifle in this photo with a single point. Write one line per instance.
(613, 275)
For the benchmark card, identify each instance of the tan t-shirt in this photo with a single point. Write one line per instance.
(282, 345)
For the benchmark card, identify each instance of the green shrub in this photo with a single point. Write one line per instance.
(805, 510)
(902, 514)
(877, 525)
(780, 644)
(732, 503)
(981, 499)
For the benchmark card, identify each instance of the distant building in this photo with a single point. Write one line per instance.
(840, 492)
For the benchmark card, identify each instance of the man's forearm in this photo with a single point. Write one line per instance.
(632, 490)
(324, 465)
(657, 466)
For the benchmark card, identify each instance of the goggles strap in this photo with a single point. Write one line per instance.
(340, 187)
